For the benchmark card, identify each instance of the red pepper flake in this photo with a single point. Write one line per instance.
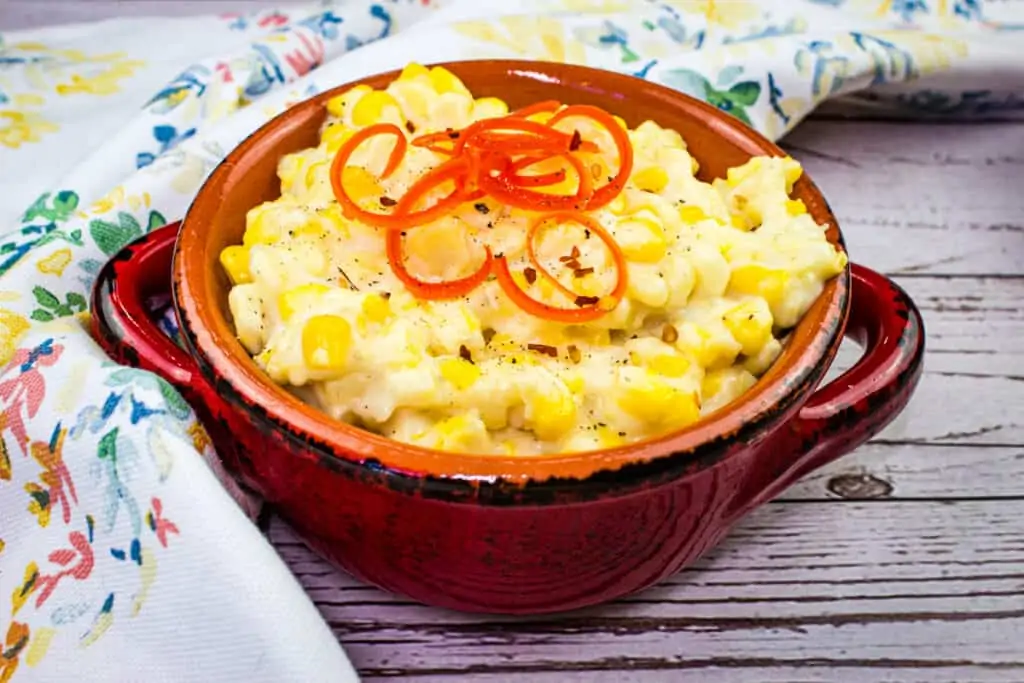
(544, 348)
(575, 253)
(582, 272)
(464, 354)
(385, 295)
(530, 274)
(574, 354)
(573, 264)
(582, 301)
(575, 141)
(482, 208)
(488, 335)
(452, 133)
(669, 334)
(410, 126)
(387, 201)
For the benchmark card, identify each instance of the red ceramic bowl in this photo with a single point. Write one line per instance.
(494, 533)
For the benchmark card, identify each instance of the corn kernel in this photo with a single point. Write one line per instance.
(618, 205)
(721, 386)
(311, 228)
(792, 170)
(691, 214)
(326, 343)
(376, 308)
(235, 261)
(336, 105)
(736, 175)
(739, 222)
(551, 413)
(445, 81)
(260, 229)
(607, 437)
(574, 382)
(289, 301)
(651, 179)
(413, 71)
(669, 365)
(657, 402)
(288, 169)
(460, 433)
(370, 107)
(488, 108)
(750, 324)
(360, 183)
(335, 136)
(795, 207)
(757, 280)
(459, 373)
(642, 240)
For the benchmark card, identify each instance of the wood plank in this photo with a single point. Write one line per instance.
(923, 586)
(923, 198)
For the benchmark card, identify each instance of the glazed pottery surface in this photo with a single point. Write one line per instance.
(497, 533)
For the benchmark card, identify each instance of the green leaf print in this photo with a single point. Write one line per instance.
(745, 93)
(156, 220)
(45, 297)
(108, 446)
(110, 237)
(51, 306)
(58, 210)
(39, 315)
(175, 403)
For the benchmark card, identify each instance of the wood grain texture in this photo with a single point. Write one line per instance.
(921, 582)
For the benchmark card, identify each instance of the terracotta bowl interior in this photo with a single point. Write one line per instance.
(248, 178)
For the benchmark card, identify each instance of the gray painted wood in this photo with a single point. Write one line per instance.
(921, 581)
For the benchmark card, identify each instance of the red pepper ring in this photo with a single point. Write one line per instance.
(348, 205)
(606, 193)
(504, 188)
(546, 106)
(451, 289)
(451, 170)
(595, 227)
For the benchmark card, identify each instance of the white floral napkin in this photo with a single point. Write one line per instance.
(122, 556)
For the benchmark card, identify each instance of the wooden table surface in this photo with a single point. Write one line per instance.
(901, 562)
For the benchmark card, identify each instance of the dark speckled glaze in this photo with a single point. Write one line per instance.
(494, 533)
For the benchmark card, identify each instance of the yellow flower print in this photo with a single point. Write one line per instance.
(728, 14)
(200, 439)
(106, 82)
(12, 327)
(20, 127)
(932, 52)
(23, 592)
(11, 648)
(108, 202)
(535, 37)
(39, 645)
(38, 502)
(593, 6)
(5, 461)
(55, 263)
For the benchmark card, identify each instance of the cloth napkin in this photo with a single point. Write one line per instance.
(124, 553)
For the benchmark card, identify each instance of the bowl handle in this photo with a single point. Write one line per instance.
(858, 404)
(121, 320)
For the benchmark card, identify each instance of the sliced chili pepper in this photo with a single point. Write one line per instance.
(451, 289)
(504, 189)
(349, 205)
(595, 227)
(547, 106)
(451, 170)
(538, 308)
(605, 194)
